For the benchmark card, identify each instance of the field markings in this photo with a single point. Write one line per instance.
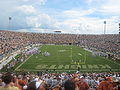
(61, 70)
(114, 62)
(40, 46)
(23, 63)
(58, 53)
(62, 50)
(80, 54)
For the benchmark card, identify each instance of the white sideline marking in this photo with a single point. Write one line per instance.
(22, 63)
(61, 50)
(25, 60)
(79, 54)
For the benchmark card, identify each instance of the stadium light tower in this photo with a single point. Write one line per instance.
(119, 28)
(119, 34)
(9, 22)
(104, 32)
(104, 27)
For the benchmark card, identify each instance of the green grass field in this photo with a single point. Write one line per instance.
(64, 58)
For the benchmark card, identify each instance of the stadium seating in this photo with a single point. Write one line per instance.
(60, 81)
(11, 41)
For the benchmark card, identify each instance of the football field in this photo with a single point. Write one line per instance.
(66, 58)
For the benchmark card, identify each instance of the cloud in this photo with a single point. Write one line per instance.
(18, 10)
(110, 10)
(42, 21)
(90, 1)
(31, 15)
(94, 2)
(27, 9)
(41, 2)
(106, 7)
(77, 13)
(90, 25)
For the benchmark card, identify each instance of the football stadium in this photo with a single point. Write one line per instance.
(69, 52)
(59, 45)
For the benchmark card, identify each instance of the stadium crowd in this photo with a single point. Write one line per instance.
(59, 81)
(11, 41)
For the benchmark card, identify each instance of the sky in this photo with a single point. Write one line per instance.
(68, 16)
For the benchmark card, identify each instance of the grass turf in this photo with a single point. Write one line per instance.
(64, 57)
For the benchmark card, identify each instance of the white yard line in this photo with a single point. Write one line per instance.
(22, 63)
(25, 60)
(114, 62)
(41, 46)
(79, 54)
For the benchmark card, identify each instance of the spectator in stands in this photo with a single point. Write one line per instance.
(113, 85)
(81, 84)
(69, 85)
(103, 84)
(9, 85)
(1, 82)
(10, 41)
(32, 86)
(60, 81)
(16, 83)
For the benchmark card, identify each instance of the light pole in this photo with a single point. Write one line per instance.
(9, 22)
(119, 34)
(119, 28)
(104, 34)
(104, 27)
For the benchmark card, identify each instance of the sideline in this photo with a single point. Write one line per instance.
(25, 61)
(8, 59)
(22, 63)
